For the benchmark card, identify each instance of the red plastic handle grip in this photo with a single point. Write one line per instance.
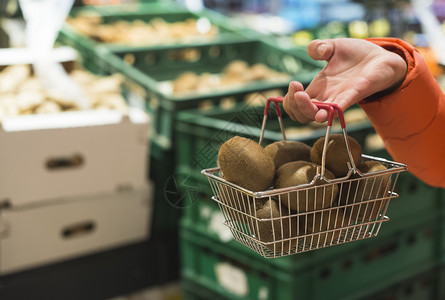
(330, 107)
(276, 100)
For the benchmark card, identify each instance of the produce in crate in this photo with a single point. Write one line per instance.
(22, 93)
(336, 153)
(236, 73)
(139, 32)
(187, 81)
(246, 163)
(287, 151)
(301, 173)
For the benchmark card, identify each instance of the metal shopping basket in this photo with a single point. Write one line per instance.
(262, 222)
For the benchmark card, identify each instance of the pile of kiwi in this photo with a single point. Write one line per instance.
(277, 221)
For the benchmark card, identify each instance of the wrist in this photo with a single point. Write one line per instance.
(399, 63)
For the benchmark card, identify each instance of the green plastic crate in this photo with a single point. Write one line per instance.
(423, 286)
(194, 291)
(363, 270)
(154, 69)
(441, 283)
(207, 219)
(168, 11)
(166, 208)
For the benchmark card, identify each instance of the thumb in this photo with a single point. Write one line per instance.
(321, 49)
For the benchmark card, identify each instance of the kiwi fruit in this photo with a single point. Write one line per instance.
(313, 198)
(364, 189)
(322, 221)
(336, 154)
(376, 187)
(287, 151)
(246, 163)
(272, 228)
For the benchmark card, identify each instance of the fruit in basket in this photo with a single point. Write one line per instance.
(365, 189)
(336, 154)
(246, 163)
(322, 221)
(311, 198)
(378, 186)
(287, 151)
(274, 225)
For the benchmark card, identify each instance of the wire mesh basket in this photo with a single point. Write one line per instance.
(325, 212)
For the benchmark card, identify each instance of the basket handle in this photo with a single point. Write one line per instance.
(276, 100)
(331, 108)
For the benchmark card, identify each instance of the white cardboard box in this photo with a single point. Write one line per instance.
(45, 157)
(36, 235)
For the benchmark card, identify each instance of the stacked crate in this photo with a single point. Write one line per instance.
(72, 183)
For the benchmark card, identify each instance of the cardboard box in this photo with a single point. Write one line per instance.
(37, 235)
(72, 154)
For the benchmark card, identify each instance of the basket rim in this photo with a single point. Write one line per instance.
(397, 168)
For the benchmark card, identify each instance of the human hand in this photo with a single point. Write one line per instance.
(356, 69)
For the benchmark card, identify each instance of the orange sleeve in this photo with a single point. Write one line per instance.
(411, 120)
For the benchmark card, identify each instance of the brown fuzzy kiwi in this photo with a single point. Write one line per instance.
(365, 189)
(336, 153)
(303, 172)
(272, 228)
(286, 151)
(323, 221)
(246, 163)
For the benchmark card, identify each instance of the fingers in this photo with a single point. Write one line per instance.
(321, 49)
(288, 104)
(298, 104)
(306, 110)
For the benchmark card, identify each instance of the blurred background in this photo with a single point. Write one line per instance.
(110, 109)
